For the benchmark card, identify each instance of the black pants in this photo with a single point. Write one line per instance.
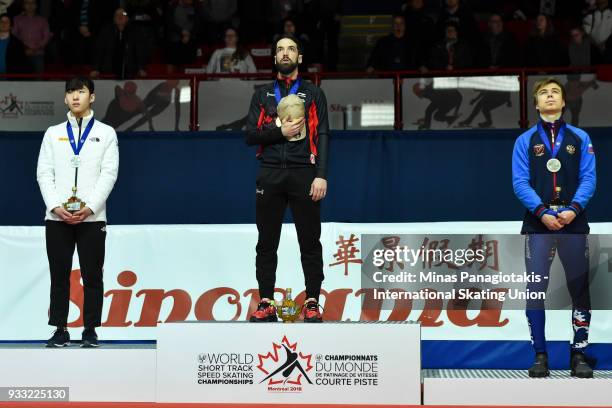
(275, 189)
(89, 238)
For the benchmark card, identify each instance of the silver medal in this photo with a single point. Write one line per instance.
(75, 162)
(553, 165)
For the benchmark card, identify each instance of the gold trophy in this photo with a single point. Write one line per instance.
(291, 107)
(556, 204)
(74, 203)
(289, 311)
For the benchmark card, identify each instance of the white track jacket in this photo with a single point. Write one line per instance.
(97, 172)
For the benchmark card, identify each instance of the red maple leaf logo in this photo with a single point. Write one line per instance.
(291, 371)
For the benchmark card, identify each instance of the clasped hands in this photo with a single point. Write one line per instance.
(72, 219)
(556, 220)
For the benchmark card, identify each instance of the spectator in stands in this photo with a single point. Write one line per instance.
(119, 49)
(420, 23)
(278, 10)
(86, 19)
(394, 52)
(598, 24)
(145, 16)
(457, 13)
(451, 52)
(499, 49)
(182, 33)
(290, 27)
(330, 15)
(232, 58)
(33, 31)
(543, 47)
(218, 14)
(581, 50)
(321, 22)
(4, 5)
(12, 55)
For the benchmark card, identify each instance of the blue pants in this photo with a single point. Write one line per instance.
(573, 252)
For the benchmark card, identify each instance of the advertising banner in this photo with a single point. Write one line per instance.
(141, 105)
(157, 274)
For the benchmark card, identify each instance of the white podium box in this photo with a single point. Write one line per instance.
(109, 373)
(514, 387)
(299, 363)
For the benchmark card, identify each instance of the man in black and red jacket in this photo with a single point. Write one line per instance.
(293, 172)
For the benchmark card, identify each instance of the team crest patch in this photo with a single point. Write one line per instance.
(538, 150)
(571, 149)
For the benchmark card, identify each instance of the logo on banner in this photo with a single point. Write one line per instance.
(225, 368)
(285, 367)
(11, 107)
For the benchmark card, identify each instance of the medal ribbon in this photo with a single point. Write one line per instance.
(292, 91)
(556, 144)
(76, 148)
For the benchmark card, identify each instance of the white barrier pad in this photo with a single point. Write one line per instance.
(514, 387)
(275, 363)
(104, 374)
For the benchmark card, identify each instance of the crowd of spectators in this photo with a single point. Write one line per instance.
(496, 34)
(125, 37)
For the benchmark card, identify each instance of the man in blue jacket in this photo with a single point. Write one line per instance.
(553, 174)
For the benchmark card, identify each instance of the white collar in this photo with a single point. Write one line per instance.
(86, 119)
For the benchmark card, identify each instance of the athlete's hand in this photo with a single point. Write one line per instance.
(565, 217)
(62, 213)
(318, 189)
(292, 128)
(551, 222)
(79, 216)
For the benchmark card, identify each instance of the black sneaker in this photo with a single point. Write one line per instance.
(539, 368)
(89, 339)
(266, 312)
(60, 338)
(311, 311)
(579, 366)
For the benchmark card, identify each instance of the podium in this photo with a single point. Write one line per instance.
(299, 363)
(110, 373)
(515, 388)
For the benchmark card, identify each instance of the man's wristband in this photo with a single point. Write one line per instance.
(575, 207)
(540, 210)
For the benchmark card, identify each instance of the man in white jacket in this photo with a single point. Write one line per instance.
(77, 165)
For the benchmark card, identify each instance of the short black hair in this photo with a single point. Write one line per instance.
(292, 38)
(78, 83)
(5, 15)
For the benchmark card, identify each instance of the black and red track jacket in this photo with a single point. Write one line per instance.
(275, 150)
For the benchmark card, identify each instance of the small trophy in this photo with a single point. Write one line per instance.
(291, 107)
(556, 204)
(74, 203)
(288, 310)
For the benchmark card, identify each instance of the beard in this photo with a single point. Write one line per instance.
(285, 68)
